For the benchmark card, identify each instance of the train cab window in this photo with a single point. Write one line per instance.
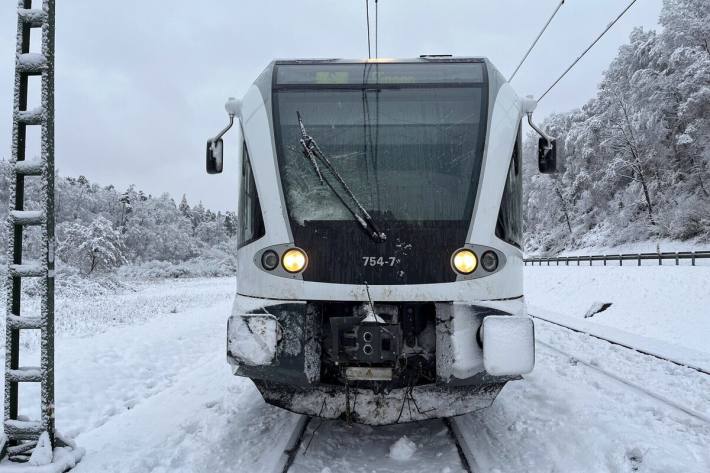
(509, 226)
(251, 220)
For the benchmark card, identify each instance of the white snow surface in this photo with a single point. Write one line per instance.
(568, 417)
(403, 449)
(667, 303)
(154, 394)
(63, 458)
(31, 59)
(42, 454)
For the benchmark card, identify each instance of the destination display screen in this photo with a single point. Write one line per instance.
(377, 73)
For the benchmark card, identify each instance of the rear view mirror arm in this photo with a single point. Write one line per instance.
(226, 129)
(537, 129)
(546, 145)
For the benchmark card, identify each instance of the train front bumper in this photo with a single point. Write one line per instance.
(479, 347)
(396, 406)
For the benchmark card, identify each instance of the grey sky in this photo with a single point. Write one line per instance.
(141, 85)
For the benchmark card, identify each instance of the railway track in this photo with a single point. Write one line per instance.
(629, 384)
(620, 379)
(293, 445)
(465, 451)
(446, 433)
(302, 436)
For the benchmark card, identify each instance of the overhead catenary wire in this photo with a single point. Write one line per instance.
(608, 27)
(549, 20)
(367, 20)
(377, 38)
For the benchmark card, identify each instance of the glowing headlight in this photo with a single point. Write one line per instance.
(294, 260)
(465, 261)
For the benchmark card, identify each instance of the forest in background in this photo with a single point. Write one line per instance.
(634, 161)
(101, 229)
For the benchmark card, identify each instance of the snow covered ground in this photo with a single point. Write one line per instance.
(668, 303)
(150, 391)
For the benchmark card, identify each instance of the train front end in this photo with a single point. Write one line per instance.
(379, 261)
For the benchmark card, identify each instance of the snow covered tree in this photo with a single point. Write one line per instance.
(94, 247)
(635, 160)
(230, 224)
(184, 207)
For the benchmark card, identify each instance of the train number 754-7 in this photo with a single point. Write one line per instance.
(378, 261)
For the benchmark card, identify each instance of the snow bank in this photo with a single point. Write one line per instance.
(678, 354)
(42, 453)
(57, 461)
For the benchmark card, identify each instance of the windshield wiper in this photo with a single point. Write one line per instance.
(313, 153)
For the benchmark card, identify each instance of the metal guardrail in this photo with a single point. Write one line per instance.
(620, 258)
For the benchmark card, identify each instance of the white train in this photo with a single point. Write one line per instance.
(380, 273)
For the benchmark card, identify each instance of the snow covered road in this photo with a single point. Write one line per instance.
(157, 396)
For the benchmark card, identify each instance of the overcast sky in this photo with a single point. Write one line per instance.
(140, 85)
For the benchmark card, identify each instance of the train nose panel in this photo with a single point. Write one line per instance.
(252, 338)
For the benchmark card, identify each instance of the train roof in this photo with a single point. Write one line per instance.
(421, 59)
(494, 77)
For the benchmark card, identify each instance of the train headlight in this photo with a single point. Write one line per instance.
(465, 261)
(489, 261)
(294, 260)
(269, 260)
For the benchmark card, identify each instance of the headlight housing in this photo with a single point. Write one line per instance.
(270, 260)
(294, 260)
(489, 261)
(464, 261)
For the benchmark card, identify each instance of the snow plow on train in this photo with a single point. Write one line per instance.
(379, 261)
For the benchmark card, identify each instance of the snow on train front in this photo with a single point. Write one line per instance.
(380, 227)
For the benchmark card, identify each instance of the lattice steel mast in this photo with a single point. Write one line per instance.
(22, 434)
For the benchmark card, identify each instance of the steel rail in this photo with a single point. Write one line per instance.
(292, 446)
(464, 449)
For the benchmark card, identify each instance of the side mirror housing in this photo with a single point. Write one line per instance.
(215, 156)
(215, 146)
(547, 155)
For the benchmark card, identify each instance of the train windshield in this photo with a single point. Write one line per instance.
(407, 139)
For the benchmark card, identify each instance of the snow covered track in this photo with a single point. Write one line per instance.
(331, 446)
(293, 445)
(636, 386)
(620, 342)
(575, 359)
(464, 449)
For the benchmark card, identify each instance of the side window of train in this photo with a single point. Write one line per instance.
(251, 220)
(509, 226)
